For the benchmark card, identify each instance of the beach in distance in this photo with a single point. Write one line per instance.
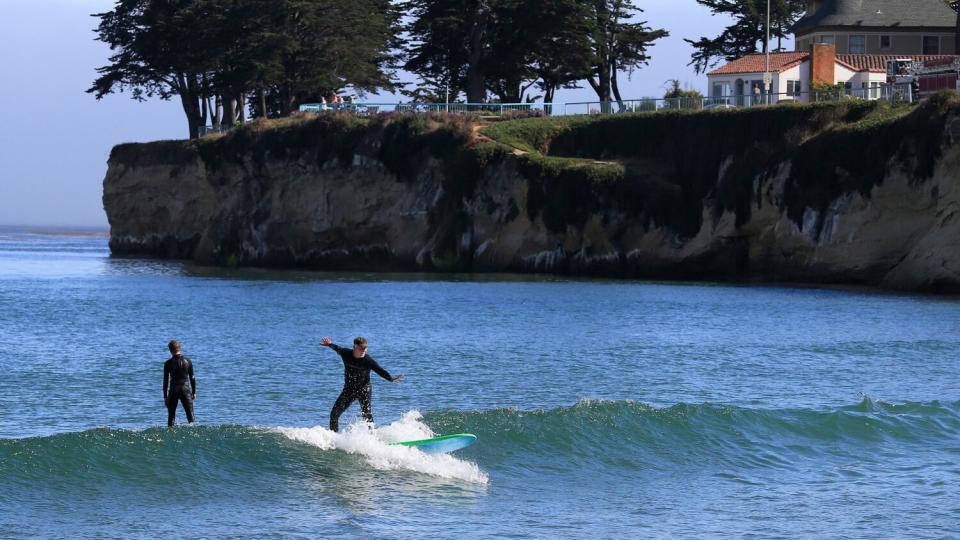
(602, 408)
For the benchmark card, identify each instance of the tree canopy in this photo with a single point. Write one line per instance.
(618, 44)
(225, 59)
(505, 47)
(216, 54)
(747, 34)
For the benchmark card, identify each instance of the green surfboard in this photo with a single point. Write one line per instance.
(441, 445)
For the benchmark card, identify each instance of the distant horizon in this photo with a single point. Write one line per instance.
(41, 227)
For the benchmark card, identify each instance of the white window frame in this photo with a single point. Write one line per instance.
(862, 46)
(794, 87)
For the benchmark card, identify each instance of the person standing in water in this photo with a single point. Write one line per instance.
(176, 372)
(356, 380)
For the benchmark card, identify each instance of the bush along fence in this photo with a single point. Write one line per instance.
(892, 93)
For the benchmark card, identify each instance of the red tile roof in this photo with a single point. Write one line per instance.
(877, 63)
(782, 61)
(756, 63)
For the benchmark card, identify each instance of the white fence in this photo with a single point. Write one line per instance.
(893, 93)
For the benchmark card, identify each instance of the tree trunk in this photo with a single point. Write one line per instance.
(548, 91)
(217, 112)
(241, 107)
(229, 111)
(262, 102)
(510, 91)
(615, 88)
(476, 87)
(602, 85)
(524, 98)
(190, 101)
(193, 118)
(287, 100)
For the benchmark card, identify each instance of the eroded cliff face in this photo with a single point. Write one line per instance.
(480, 206)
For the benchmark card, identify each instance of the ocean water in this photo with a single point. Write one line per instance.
(603, 409)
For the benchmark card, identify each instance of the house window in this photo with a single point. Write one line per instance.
(720, 90)
(793, 88)
(931, 44)
(858, 44)
(884, 43)
(829, 40)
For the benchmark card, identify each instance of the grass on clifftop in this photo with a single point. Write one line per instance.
(660, 168)
(400, 141)
(667, 165)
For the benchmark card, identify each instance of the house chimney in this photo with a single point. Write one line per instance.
(823, 62)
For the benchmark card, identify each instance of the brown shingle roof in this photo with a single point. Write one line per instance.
(878, 14)
(756, 63)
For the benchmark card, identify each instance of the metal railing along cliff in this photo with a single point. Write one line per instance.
(892, 93)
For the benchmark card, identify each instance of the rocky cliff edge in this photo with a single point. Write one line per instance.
(838, 193)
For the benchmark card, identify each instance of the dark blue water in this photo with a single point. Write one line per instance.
(602, 408)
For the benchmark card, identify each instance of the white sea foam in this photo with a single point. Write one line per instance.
(358, 438)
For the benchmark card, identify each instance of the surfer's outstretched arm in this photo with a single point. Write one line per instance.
(374, 366)
(327, 343)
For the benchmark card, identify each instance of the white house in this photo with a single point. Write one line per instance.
(867, 33)
(793, 74)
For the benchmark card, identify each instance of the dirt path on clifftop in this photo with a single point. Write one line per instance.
(478, 136)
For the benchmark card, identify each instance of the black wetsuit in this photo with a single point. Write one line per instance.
(356, 385)
(177, 371)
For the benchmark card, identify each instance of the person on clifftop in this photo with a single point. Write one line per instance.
(357, 365)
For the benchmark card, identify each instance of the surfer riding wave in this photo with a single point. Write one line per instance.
(357, 365)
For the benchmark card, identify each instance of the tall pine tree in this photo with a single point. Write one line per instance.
(280, 52)
(747, 34)
(505, 46)
(618, 44)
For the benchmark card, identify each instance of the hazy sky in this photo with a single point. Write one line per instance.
(55, 139)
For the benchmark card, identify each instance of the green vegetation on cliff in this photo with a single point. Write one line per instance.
(668, 166)
(661, 169)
